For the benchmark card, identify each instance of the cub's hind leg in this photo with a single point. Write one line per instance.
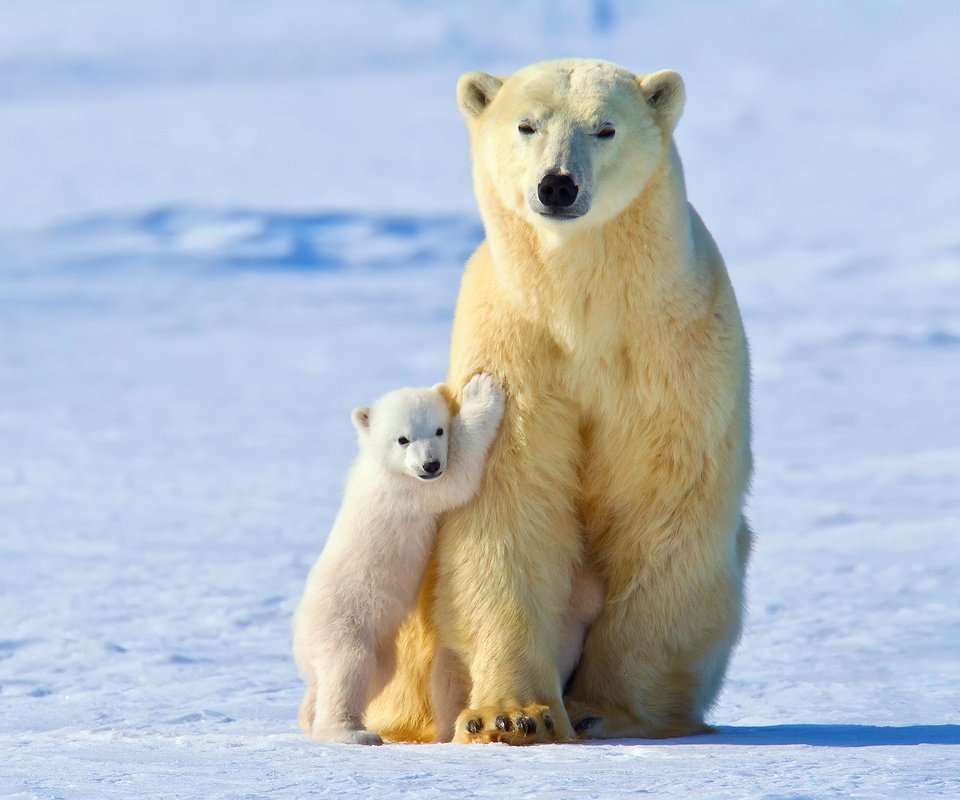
(343, 674)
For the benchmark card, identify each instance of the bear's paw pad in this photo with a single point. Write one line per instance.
(587, 721)
(533, 724)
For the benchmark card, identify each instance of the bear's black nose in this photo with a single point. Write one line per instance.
(431, 467)
(557, 191)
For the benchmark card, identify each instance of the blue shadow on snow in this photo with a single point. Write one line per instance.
(815, 736)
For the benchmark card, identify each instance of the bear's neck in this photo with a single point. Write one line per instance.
(639, 268)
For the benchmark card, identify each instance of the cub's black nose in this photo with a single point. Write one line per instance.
(431, 467)
(557, 191)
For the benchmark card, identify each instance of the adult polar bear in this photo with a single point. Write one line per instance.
(601, 302)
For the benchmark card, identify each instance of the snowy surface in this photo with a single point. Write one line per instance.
(223, 225)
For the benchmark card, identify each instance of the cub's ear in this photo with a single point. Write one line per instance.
(361, 418)
(475, 91)
(447, 395)
(665, 94)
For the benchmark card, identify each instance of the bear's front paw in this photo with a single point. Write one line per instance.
(532, 724)
(483, 391)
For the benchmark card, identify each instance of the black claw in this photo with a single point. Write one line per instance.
(503, 723)
(474, 726)
(548, 722)
(526, 724)
(586, 724)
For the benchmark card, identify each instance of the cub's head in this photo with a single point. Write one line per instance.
(407, 431)
(568, 144)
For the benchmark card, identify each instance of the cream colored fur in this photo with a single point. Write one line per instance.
(366, 580)
(625, 444)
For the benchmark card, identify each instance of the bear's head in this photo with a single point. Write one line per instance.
(407, 431)
(568, 144)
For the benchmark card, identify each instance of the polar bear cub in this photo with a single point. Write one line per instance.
(417, 459)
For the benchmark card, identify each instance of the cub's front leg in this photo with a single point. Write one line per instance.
(473, 432)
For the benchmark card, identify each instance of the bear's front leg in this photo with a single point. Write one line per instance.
(505, 566)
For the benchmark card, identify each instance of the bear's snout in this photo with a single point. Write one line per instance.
(557, 191)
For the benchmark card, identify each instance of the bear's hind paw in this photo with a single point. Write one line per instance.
(347, 736)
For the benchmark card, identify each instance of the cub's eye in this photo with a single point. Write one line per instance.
(606, 132)
(526, 128)
(439, 431)
(403, 440)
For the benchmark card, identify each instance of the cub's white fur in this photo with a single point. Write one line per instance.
(416, 461)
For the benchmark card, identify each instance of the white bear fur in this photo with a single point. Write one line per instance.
(365, 582)
(625, 444)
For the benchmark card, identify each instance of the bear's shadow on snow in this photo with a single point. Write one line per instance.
(264, 240)
(815, 736)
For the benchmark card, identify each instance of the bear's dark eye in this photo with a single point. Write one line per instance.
(606, 132)
(526, 128)
(439, 431)
(403, 440)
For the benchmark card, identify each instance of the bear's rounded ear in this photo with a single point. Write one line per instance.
(444, 391)
(475, 91)
(665, 94)
(361, 418)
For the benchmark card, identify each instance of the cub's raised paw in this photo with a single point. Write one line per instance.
(484, 390)
(533, 724)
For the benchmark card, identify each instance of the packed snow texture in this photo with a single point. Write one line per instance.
(223, 225)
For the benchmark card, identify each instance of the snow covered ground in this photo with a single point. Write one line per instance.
(223, 225)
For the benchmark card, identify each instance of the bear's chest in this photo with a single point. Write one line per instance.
(630, 376)
(653, 402)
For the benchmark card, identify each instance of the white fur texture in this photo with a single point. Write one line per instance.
(625, 445)
(366, 580)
